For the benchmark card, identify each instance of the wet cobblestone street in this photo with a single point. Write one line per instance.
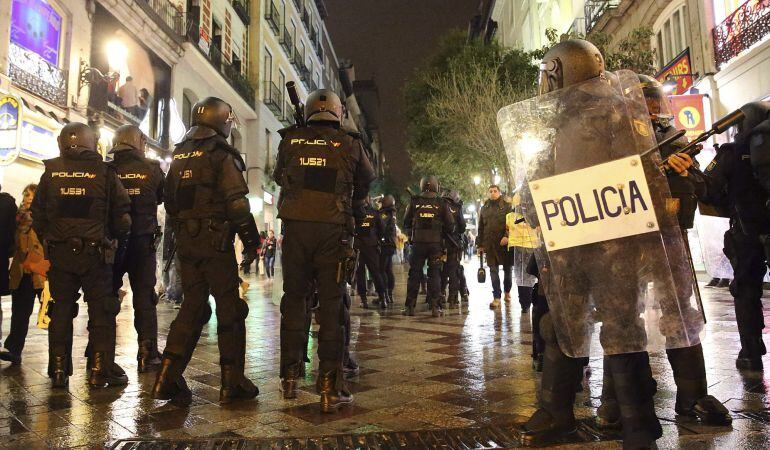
(470, 368)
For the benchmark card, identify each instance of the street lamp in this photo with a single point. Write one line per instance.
(471, 208)
(476, 180)
(117, 54)
(497, 179)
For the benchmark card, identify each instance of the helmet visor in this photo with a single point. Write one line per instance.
(550, 78)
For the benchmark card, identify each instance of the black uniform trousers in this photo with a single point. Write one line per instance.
(312, 250)
(70, 271)
(22, 305)
(450, 275)
(422, 253)
(137, 257)
(386, 265)
(206, 270)
(369, 258)
(747, 256)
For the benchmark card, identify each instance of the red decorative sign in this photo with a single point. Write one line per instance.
(688, 114)
(679, 70)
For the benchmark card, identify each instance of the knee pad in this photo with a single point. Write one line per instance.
(547, 330)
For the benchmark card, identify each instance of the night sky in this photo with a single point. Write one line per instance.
(387, 40)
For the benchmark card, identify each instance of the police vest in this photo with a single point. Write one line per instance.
(140, 177)
(317, 180)
(367, 229)
(388, 218)
(427, 223)
(192, 181)
(77, 199)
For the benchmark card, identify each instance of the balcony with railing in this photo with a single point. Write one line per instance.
(271, 97)
(306, 18)
(287, 42)
(241, 8)
(273, 18)
(287, 118)
(596, 9)
(32, 73)
(166, 14)
(745, 27)
(231, 73)
(297, 60)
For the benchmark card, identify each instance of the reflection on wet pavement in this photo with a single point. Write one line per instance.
(468, 370)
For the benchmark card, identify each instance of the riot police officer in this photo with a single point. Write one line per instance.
(369, 234)
(454, 249)
(737, 179)
(79, 210)
(143, 179)
(686, 184)
(427, 221)
(206, 199)
(388, 246)
(324, 175)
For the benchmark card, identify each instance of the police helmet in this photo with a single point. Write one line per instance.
(429, 184)
(77, 135)
(214, 113)
(323, 105)
(454, 196)
(658, 103)
(569, 62)
(128, 137)
(388, 201)
(756, 113)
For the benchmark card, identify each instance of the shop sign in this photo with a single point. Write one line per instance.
(689, 114)
(679, 70)
(10, 114)
(38, 143)
(204, 42)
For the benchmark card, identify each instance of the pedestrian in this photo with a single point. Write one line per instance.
(81, 233)
(206, 198)
(451, 276)
(401, 241)
(490, 243)
(369, 234)
(269, 247)
(738, 179)
(136, 256)
(27, 277)
(522, 241)
(427, 221)
(129, 97)
(145, 103)
(389, 244)
(324, 175)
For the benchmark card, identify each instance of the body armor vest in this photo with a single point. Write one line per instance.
(317, 184)
(77, 199)
(140, 177)
(367, 230)
(191, 184)
(388, 218)
(427, 224)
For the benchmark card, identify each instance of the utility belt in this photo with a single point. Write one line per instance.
(346, 267)
(222, 232)
(106, 248)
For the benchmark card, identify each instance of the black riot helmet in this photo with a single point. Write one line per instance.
(214, 113)
(388, 201)
(429, 184)
(454, 196)
(323, 105)
(658, 103)
(569, 62)
(756, 113)
(128, 137)
(75, 137)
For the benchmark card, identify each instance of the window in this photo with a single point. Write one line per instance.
(267, 66)
(186, 110)
(670, 34)
(281, 83)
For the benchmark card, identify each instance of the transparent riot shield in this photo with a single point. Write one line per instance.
(611, 254)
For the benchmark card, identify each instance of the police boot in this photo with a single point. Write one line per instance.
(436, 307)
(608, 413)
(364, 302)
(750, 356)
(59, 371)
(634, 389)
(382, 301)
(170, 385)
(102, 373)
(147, 356)
(334, 393)
(692, 397)
(289, 381)
(555, 418)
(235, 386)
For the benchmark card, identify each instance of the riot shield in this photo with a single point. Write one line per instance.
(611, 254)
